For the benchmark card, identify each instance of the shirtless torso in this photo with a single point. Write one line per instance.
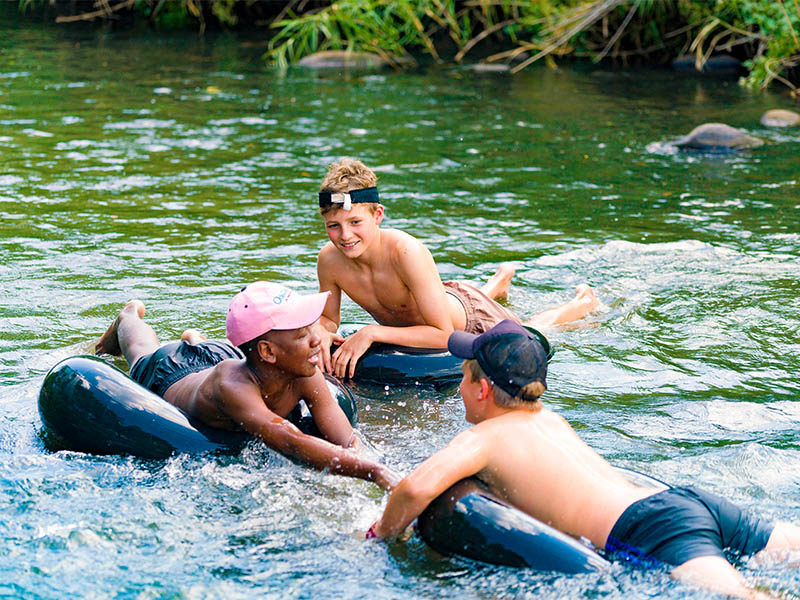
(381, 281)
(203, 394)
(536, 462)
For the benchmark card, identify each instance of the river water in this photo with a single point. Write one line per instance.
(175, 170)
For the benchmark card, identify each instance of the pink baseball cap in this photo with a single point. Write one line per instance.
(263, 306)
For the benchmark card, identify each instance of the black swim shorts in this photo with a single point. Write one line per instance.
(682, 523)
(171, 362)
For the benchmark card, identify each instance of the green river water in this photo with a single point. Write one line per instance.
(176, 169)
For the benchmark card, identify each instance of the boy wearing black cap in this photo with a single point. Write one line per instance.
(533, 459)
(393, 276)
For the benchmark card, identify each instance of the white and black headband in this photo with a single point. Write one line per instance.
(347, 199)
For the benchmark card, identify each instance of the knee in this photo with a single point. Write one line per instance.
(784, 536)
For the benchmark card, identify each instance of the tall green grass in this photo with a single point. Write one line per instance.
(764, 33)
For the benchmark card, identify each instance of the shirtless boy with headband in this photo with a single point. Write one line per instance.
(393, 276)
(533, 459)
(255, 386)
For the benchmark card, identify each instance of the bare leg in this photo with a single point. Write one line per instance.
(193, 336)
(497, 286)
(785, 536)
(782, 547)
(581, 305)
(128, 335)
(716, 574)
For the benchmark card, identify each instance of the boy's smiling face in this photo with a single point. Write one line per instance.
(353, 231)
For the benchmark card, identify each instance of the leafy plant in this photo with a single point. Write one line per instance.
(764, 32)
(779, 42)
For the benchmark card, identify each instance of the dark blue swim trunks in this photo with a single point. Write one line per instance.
(171, 362)
(682, 523)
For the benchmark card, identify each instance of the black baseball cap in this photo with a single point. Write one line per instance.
(511, 355)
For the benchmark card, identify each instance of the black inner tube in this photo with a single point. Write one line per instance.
(468, 520)
(88, 405)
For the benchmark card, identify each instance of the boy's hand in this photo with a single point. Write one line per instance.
(353, 347)
(326, 340)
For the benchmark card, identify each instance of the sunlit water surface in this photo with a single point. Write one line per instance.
(176, 170)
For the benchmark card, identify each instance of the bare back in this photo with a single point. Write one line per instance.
(206, 394)
(537, 463)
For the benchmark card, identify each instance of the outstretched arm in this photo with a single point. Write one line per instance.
(328, 415)
(244, 405)
(464, 456)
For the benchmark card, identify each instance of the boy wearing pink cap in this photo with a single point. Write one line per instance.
(254, 383)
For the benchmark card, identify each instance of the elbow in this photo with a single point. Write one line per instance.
(445, 336)
(448, 329)
(284, 437)
(414, 493)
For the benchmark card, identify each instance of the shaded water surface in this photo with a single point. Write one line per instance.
(176, 170)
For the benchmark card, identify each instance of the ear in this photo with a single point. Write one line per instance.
(486, 390)
(378, 214)
(266, 351)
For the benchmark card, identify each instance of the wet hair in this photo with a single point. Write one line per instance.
(346, 175)
(528, 395)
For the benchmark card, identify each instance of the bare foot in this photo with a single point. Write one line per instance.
(497, 286)
(108, 342)
(193, 336)
(577, 308)
(584, 296)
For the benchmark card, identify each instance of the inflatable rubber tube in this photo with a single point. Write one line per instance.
(388, 364)
(90, 406)
(392, 364)
(470, 521)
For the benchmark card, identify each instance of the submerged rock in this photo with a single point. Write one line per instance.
(343, 59)
(722, 64)
(780, 118)
(717, 137)
(483, 67)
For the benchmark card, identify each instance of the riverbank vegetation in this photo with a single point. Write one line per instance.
(763, 34)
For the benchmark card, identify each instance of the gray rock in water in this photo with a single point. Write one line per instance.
(343, 59)
(721, 64)
(717, 137)
(780, 118)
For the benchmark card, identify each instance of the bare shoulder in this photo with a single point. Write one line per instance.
(477, 436)
(230, 378)
(517, 423)
(489, 428)
(405, 249)
(331, 262)
(328, 254)
(398, 239)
